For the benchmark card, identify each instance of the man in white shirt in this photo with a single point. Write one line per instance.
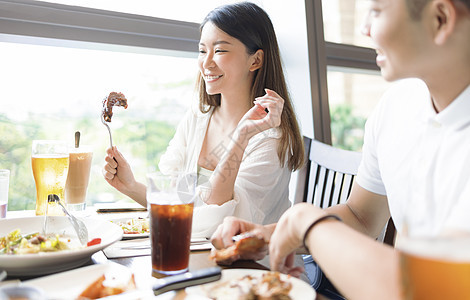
(416, 151)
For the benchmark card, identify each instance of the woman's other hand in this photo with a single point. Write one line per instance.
(265, 114)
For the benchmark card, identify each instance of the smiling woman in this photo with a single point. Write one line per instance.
(244, 140)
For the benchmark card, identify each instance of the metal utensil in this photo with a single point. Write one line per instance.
(187, 279)
(78, 225)
(77, 139)
(109, 130)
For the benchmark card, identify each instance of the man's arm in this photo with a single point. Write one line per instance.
(358, 266)
(364, 211)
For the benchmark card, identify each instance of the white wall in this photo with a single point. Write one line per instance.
(289, 21)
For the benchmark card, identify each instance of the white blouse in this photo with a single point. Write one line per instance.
(261, 191)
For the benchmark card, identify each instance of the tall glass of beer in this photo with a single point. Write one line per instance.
(50, 163)
(434, 265)
(170, 201)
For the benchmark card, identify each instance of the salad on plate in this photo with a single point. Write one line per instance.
(17, 243)
(134, 225)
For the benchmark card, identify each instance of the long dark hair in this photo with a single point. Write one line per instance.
(251, 25)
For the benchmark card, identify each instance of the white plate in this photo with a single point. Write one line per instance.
(300, 289)
(50, 262)
(72, 283)
(128, 236)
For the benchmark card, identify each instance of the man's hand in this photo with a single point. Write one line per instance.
(222, 238)
(288, 237)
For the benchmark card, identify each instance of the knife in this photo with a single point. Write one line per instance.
(188, 279)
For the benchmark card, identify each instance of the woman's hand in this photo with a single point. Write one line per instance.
(265, 114)
(288, 237)
(117, 171)
(222, 237)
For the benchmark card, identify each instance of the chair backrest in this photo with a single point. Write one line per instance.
(327, 177)
(303, 175)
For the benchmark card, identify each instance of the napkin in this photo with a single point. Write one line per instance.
(118, 207)
(128, 248)
(141, 247)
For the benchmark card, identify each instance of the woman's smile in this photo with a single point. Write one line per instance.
(211, 78)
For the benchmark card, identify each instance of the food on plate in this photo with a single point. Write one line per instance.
(95, 241)
(114, 99)
(16, 243)
(267, 285)
(246, 243)
(134, 226)
(107, 285)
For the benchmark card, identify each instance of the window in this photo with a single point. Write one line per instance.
(346, 82)
(61, 61)
(342, 21)
(51, 92)
(352, 96)
(352, 91)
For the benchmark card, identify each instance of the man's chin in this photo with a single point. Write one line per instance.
(388, 76)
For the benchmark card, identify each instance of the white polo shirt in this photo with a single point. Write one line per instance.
(419, 159)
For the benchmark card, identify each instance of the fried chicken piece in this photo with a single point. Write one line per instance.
(114, 99)
(247, 243)
(271, 286)
(98, 290)
(268, 286)
(239, 289)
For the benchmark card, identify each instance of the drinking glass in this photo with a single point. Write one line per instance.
(50, 162)
(78, 177)
(434, 266)
(4, 184)
(170, 201)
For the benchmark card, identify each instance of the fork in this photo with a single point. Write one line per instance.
(109, 129)
(78, 225)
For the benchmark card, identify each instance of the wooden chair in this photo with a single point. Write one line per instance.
(327, 178)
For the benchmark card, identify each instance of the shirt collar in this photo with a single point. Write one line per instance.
(456, 115)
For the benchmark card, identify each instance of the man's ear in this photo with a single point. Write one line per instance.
(258, 59)
(444, 14)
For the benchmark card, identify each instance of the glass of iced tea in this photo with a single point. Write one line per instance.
(50, 163)
(78, 177)
(170, 201)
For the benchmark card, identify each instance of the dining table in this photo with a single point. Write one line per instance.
(140, 264)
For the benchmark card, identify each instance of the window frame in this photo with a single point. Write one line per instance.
(323, 54)
(27, 21)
